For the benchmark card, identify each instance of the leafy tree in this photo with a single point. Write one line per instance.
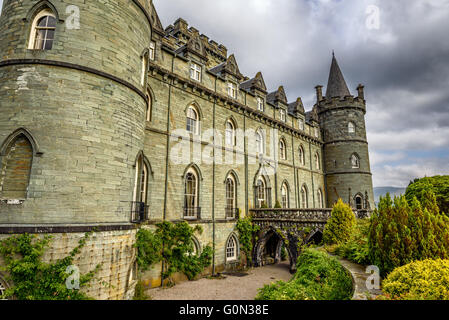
(340, 226)
(401, 233)
(439, 185)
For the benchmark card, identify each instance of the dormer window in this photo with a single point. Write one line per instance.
(260, 104)
(195, 72)
(152, 50)
(232, 90)
(283, 115)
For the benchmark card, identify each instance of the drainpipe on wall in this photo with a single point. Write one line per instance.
(166, 161)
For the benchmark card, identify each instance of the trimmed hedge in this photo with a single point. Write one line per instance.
(420, 280)
(318, 277)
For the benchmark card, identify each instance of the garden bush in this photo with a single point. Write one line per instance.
(341, 224)
(400, 234)
(318, 277)
(420, 280)
(357, 249)
(173, 245)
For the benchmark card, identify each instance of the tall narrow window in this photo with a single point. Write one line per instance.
(43, 31)
(260, 104)
(304, 201)
(317, 162)
(230, 198)
(260, 193)
(302, 158)
(149, 105)
(232, 90)
(15, 169)
(191, 210)
(355, 161)
(358, 202)
(301, 124)
(284, 196)
(282, 150)
(260, 143)
(140, 204)
(351, 127)
(231, 249)
(320, 199)
(230, 133)
(152, 50)
(192, 120)
(144, 68)
(195, 72)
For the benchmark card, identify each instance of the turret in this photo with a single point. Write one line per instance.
(346, 157)
(72, 109)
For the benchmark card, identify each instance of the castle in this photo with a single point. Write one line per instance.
(115, 123)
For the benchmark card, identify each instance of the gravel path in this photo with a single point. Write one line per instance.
(231, 288)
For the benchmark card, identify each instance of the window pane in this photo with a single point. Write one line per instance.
(51, 22)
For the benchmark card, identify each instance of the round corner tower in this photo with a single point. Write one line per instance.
(346, 155)
(72, 118)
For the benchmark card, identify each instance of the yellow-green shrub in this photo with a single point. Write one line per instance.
(340, 226)
(419, 280)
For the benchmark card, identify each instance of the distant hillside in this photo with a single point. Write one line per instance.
(382, 191)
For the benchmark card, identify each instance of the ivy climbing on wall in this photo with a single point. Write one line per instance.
(34, 279)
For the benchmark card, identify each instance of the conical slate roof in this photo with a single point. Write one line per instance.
(336, 86)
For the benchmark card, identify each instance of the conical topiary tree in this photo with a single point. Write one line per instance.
(340, 226)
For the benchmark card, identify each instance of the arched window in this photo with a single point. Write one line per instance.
(192, 120)
(230, 133)
(15, 168)
(149, 106)
(282, 149)
(317, 161)
(320, 199)
(191, 207)
(260, 142)
(231, 249)
(2, 287)
(230, 198)
(355, 161)
(358, 202)
(140, 204)
(43, 31)
(351, 127)
(285, 196)
(304, 198)
(261, 193)
(302, 158)
(144, 68)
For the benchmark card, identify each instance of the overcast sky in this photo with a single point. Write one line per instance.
(403, 61)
